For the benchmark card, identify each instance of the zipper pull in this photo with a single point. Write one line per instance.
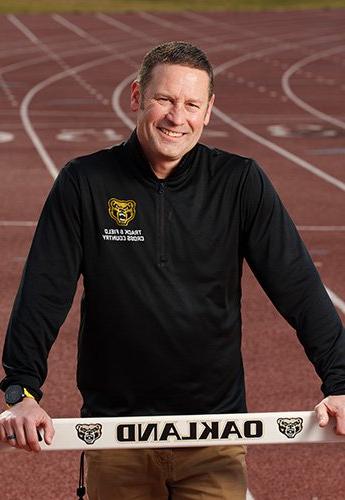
(160, 187)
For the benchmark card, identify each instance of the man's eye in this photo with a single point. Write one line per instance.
(163, 99)
(193, 105)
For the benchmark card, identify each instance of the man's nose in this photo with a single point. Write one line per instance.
(176, 115)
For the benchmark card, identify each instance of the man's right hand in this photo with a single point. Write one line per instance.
(20, 423)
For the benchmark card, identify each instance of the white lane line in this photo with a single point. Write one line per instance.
(125, 27)
(293, 45)
(82, 33)
(279, 150)
(72, 27)
(337, 301)
(18, 223)
(67, 53)
(115, 101)
(48, 162)
(37, 60)
(75, 113)
(15, 52)
(91, 39)
(298, 101)
(67, 71)
(142, 35)
(321, 228)
(300, 45)
(34, 51)
(18, 24)
(163, 22)
(172, 26)
(58, 40)
(262, 140)
(24, 108)
(307, 40)
(234, 29)
(36, 141)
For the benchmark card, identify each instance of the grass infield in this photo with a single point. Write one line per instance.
(39, 6)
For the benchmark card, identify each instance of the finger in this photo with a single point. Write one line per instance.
(322, 414)
(340, 424)
(49, 430)
(2, 434)
(10, 436)
(31, 437)
(18, 431)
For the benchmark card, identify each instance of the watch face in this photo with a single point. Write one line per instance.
(14, 394)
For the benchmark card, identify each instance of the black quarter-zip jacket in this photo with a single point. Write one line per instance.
(160, 329)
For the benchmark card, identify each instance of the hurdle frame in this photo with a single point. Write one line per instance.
(286, 427)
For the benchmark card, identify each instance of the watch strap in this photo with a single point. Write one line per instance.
(27, 394)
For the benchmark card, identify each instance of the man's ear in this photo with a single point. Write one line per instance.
(135, 96)
(209, 109)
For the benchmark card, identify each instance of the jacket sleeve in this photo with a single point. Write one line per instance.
(47, 287)
(283, 267)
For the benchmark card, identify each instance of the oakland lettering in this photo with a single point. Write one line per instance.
(170, 431)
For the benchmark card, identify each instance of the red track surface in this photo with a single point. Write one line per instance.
(259, 49)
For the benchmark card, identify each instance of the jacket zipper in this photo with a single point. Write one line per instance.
(162, 257)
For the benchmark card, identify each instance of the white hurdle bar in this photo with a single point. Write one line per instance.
(189, 430)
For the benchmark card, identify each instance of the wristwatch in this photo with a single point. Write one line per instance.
(15, 394)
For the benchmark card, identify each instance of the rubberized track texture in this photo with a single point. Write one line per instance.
(64, 91)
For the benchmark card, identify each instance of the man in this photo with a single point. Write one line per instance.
(159, 227)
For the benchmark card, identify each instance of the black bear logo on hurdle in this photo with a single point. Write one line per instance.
(290, 426)
(89, 433)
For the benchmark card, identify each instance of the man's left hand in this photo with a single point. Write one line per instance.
(333, 406)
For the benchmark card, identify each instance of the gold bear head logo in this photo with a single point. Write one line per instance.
(122, 211)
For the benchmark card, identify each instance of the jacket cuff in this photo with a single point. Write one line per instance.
(30, 383)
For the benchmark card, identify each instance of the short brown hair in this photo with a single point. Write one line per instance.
(182, 53)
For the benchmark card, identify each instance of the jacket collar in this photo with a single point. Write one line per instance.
(142, 166)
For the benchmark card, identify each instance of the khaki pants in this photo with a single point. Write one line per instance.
(206, 473)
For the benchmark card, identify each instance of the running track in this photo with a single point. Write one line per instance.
(280, 98)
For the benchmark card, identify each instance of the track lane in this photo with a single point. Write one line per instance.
(300, 102)
(67, 72)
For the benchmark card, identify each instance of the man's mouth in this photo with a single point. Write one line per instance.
(170, 133)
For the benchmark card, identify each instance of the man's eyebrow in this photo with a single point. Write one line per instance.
(169, 96)
(162, 94)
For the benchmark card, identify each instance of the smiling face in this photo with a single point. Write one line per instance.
(171, 113)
